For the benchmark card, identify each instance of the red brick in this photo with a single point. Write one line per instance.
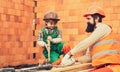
(16, 44)
(11, 31)
(21, 46)
(18, 1)
(116, 23)
(118, 15)
(1, 24)
(5, 38)
(115, 3)
(20, 51)
(12, 44)
(113, 17)
(117, 9)
(4, 51)
(5, 10)
(81, 30)
(3, 3)
(3, 60)
(3, 17)
(28, 8)
(33, 50)
(70, 31)
(19, 6)
(27, 44)
(10, 4)
(66, 38)
(17, 12)
(106, 3)
(108, 10)
(0, 42)
(31, 61)
(7, 17)
(2, 31)
(119, 32)
(29, 3)
(7, 45)
(70, 24)
(15, 63)
(1, 10)
(108, 17)
(6, 24)
(40, 15)
(59, 7)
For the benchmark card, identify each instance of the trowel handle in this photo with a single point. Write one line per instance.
(48, 49)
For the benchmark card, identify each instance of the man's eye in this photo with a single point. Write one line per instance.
(88, 18)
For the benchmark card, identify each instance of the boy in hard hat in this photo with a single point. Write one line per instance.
(102, 44)
(54, 35)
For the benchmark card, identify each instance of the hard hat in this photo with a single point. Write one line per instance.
(51, 15)
(94, 10)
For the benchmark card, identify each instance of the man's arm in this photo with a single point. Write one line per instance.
(85, 58)
(100, 32)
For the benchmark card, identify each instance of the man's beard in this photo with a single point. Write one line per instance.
(90, 27)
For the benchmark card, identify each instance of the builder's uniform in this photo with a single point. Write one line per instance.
(103, 49)
(104, 53)
(57, 47)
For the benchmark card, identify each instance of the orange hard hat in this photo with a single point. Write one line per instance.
(94, 10)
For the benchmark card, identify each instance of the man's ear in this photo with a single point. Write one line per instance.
(96, 19)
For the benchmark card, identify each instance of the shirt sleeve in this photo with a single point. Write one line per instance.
(100, 32)
(59, 37)
(40, 39)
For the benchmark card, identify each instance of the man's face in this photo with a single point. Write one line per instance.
(90, 24)
(51, 24)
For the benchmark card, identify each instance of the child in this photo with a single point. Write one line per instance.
(53, 34)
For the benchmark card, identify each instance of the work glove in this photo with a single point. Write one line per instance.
(67, 60)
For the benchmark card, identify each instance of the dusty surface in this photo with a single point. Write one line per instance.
(72, 68)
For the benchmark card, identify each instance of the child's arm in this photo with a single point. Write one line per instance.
(40, 39)
(59, 37)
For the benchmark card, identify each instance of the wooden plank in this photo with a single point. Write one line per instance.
(86, 70)
(73, 67)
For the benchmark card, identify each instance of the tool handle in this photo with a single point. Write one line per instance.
(48, 49)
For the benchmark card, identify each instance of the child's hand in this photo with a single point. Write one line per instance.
(47, 45)
(49, 38)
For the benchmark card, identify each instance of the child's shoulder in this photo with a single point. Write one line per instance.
(42, 30)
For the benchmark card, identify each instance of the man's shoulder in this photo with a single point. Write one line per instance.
(103, 25)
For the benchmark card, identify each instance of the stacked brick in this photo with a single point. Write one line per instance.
(16, 33)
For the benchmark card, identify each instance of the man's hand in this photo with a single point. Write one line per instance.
(67, 60)
(49, 38)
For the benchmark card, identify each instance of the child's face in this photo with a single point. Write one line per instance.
(50, 24)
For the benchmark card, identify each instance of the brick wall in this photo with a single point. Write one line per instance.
(18, 31)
